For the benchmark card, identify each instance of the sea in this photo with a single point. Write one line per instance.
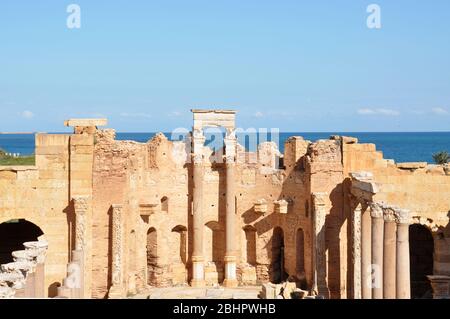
(401, 147)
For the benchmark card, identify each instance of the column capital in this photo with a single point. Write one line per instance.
(376, 210)
(14, 278)
(38, 249)
(403, 216)
(197, 159)
(389, 215)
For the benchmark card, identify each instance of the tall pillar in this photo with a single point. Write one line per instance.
(376, 213)
(403, 281)
(320, 269)
(198, 271)
(230, 224)
(356, 251)
(389, 259)
(117, 289)
(366, 255)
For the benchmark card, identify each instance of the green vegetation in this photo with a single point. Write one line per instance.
(442, 157)
(6, 160)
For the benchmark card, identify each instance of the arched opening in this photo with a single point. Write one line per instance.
(250, 245)
(278, 274)
(180, 245)
(165, 204)
(13, 234)
(152, 257)
(421, 248)
(300, 256)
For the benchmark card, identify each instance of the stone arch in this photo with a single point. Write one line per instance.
(152, 256)
(165, 204)
(277, 271)
(300, 255)
(249, 251)
(421, 248)
(13, 233)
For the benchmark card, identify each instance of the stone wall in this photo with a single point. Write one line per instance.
(127, 209)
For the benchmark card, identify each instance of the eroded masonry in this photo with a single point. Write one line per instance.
(96, 217)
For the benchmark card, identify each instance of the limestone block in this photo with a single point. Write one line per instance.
(260, 206)
(412, 165)
(281, 206)
(86, 122)
(288, 288)
(268, 291)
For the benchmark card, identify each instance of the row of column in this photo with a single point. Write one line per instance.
(382, 249)
(25, 277)
(230, 260)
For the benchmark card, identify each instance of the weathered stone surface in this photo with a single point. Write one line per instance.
(313, 192)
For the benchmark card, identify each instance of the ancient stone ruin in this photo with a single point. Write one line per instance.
(334, 220)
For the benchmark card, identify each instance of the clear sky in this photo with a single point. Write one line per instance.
(291, 64)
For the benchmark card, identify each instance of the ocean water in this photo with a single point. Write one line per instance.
(402, 147)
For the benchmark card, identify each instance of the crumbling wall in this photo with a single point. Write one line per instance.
(40, 195)
(422, 188)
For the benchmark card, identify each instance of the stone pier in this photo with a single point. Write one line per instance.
(320, 280)
(117, 289)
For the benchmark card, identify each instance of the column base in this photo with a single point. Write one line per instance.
(198, 283)
(198, 272)
(116, 292)
(230, 272)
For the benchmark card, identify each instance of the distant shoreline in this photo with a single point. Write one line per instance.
(17, 133)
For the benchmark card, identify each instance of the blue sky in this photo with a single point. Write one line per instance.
(295, 65)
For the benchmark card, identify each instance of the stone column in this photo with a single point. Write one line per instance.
(403, 281)
(25, 262)
(117, 289)
(376, 212)
(230, 226)
(39, 250)
(356, 251)
(198, 271)
(389, 259)
(366, 255)
(320, 284)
